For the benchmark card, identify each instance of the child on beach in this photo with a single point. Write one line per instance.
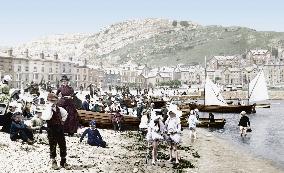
(55, 117)
(19, 130)
(244, 124)
(173, 128)
(94, 136)
(155, 134)
(192, 121)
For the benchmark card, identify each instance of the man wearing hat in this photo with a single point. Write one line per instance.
(55, 117)
(86, 103)
(66, 101)
(244, 123)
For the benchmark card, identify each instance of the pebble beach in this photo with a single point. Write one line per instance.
(127, 151)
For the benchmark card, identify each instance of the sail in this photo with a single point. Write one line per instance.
(258, 88)
(213, 94)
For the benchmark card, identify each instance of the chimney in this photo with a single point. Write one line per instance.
(26, 53)
(55, 56)
(10, 52)
(70, 59)
(41, 55)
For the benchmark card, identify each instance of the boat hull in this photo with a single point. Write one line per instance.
(103, 120)
(224, 109)
(262, 105)
(204, 122)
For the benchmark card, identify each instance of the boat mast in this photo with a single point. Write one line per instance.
(205, 65)
(248, 88)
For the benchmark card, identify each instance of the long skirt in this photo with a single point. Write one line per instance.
(72, 122)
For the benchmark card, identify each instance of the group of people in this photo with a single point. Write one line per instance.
(60, 116)
(169, 131)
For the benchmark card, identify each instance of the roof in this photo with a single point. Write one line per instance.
(165, 75)
(224, 57)
(259, 52)
(167, 69)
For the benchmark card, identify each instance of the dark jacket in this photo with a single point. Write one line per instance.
(94, 137)
(244, 121)
(85, 106)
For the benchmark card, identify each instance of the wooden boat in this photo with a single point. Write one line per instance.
(104, 120)
(214, 102)
(218, 123)
(204, 122)
(223, 109)
(263, 105)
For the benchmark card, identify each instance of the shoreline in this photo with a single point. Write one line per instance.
(223, 156)
(126, 153)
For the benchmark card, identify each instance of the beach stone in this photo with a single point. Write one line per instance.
(135, 170)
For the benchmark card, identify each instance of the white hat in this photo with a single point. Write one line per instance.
(243, 112)
(196, 110)
(7, 78)
(191, 112)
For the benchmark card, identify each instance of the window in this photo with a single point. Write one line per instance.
(42, 69)
(19, 68)
(50, 70)
(26, 68)
(35, 69)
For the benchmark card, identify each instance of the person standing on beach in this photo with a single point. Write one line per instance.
(192, 121)
(55, 117)
(66, 101)
(173, 128)
(155, 134)
(244, 123)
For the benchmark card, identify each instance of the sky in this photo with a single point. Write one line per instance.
(26, 20)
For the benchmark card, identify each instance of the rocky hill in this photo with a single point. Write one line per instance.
(154, 41)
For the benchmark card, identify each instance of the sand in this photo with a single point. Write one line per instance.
(127, 152)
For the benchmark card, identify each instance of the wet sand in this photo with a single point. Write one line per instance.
(127, 152)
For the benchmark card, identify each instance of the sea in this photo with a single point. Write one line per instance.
(266, 140)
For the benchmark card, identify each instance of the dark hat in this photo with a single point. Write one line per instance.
(87, 96)
(93, 123)
(17, 113)
(64, 77)
(52, 97)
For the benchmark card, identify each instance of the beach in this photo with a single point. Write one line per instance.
(126, 152)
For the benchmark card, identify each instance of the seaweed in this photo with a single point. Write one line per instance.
(183, 164)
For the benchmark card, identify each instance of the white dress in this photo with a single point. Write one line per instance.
(192, 120)
(173, 128)
(154, 133)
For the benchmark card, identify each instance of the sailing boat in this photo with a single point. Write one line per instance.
(258, 90)
(214, 101)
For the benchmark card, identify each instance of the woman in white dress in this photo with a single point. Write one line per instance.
(173, 128)
(154, 135)
(192, 121)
